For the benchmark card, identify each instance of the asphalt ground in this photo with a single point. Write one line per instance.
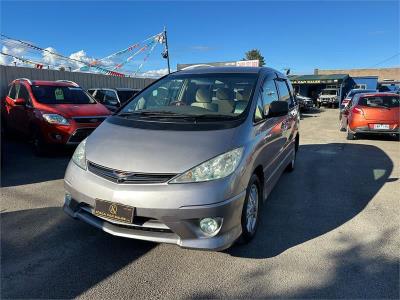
(330, 229)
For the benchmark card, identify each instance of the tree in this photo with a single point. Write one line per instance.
(255, 54)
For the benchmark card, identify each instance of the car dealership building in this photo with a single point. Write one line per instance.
(385, 79)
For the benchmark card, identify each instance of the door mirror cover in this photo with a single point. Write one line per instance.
(277, 109)
(19, 101)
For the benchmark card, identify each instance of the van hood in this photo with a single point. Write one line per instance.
(154, 151)
(78, 110)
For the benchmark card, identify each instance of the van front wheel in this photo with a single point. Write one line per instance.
(251, 210)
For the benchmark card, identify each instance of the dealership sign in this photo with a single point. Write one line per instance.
(315, 81)
(248, 63)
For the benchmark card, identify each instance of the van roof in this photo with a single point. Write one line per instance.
(214, 70)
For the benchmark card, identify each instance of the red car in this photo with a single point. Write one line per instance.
(377, 113)
(51, 112)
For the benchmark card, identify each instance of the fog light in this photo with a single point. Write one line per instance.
(210, 226)
(67, 198)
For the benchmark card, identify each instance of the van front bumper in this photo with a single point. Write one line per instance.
(165, 218)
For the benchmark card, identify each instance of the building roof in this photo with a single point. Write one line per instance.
(318, 79)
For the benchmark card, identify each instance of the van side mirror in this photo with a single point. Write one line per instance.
(277, 109)
(19, 101)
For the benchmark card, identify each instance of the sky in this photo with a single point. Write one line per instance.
(300, 35)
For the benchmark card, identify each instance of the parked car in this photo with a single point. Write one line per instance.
(51, 112)
(179, 167)
(113, 98)
(329, 97)
(305, 103)
(349, 96)
(373, 113)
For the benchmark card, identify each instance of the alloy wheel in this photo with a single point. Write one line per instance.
(252, 209)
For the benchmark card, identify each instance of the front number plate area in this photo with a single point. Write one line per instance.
(113, 211)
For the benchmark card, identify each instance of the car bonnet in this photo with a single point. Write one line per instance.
(155, 151)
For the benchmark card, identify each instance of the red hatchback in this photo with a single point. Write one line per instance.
(373, 113)
(51, 112)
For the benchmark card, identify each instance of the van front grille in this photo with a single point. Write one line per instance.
(126, 177)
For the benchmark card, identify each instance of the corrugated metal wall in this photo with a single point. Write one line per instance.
(85, 80)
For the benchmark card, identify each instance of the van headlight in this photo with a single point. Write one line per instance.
(79, 156)
(218, 167)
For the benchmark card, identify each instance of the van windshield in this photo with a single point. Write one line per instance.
(201, 96)
(49, 94)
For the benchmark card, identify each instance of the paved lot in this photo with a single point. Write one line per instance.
(330, 229)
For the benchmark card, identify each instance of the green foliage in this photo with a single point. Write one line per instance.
(255, 54)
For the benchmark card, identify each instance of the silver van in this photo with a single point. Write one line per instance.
(189, 160)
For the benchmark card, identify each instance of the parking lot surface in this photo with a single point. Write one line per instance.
(330, 229)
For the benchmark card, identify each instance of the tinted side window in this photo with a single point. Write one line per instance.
(110, 98)
(269, 93)
(99, 96)
(17, 85)
(23, 93)
(258, 114)
(11, 92)
(284, 94)
(291, 91)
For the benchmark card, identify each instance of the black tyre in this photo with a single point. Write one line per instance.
(350, 135)
(251, 209)
(290, 166)
(39, 146)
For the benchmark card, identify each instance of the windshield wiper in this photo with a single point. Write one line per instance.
(214, 116)
(156, 114)
(173, 115)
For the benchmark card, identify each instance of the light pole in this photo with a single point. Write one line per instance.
(166, 51)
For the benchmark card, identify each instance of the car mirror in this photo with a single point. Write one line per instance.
(276, 109)
(19, 101)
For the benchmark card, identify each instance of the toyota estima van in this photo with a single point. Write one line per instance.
(189, 160)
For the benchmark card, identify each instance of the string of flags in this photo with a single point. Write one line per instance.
(145, 59)
(106, 65)
(147, 44)
(24, 60)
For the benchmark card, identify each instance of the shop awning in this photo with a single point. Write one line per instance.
(318, 79)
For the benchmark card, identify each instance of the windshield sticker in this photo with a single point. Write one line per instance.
(59, 94)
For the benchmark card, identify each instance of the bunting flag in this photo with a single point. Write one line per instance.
(144, 48)
(141, 46)
(159, 37)
(24, 60)
(116, 60)
(145, 59)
